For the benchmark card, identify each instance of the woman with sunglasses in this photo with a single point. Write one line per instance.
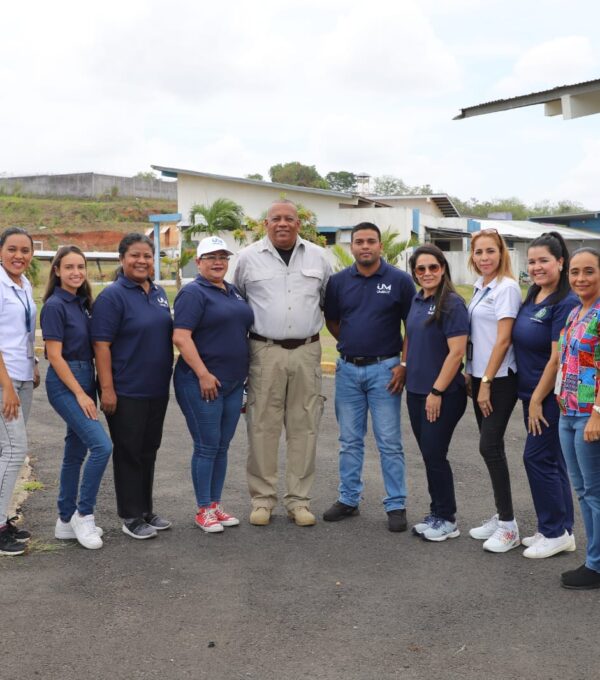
(437, 328)
(491, 367)
(18, 374)
(211, 332)
(71, 388)
(535, 339)
(579, 402)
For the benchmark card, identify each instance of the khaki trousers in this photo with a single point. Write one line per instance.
(284, 389)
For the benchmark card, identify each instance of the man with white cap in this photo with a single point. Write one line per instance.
(283, 277)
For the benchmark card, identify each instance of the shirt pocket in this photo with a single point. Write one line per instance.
(311, 281)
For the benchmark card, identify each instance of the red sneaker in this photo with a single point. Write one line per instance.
(207, 521)
(223, 517)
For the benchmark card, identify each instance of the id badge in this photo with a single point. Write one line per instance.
(469, 350)
(30, 352)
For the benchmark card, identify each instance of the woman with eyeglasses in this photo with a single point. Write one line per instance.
(492, 376)
(18, 375)
(71, 388)
(437, 328)
(211, 332)
(579, 402)
(535, 338)
(132, 337)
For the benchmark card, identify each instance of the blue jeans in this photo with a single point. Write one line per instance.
(358, 390)
(212, 426)
(434, 441)
(83, 434)
(583, 463)
(547, 474)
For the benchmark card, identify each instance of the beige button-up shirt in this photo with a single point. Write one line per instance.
(286, 299)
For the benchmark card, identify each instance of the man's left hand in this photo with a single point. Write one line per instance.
(396, 384)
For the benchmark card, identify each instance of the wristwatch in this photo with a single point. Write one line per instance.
(596, 408)
(486, 380)
(436, 393)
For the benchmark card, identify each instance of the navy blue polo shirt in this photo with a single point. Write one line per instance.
(428, 342)
(140, 328)
(369, 309)
(65, 319)
(219, 320)
(535, 329)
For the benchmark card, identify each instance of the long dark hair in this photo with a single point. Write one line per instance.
(440, 297)
(15, 230)
(556, 246)
(84, 291)
(126, 242)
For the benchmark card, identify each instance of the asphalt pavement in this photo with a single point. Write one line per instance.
(342, 601)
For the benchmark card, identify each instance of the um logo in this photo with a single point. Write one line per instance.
(383, 288)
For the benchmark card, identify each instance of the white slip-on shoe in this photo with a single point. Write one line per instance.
(530, 540)
(546, 547)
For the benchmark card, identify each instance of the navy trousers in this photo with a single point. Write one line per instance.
(547, 474)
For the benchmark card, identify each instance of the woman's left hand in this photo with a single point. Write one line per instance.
(433, 407)
(592, 429)
(36, 376)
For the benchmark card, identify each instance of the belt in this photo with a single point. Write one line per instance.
(286, 344)
(366, 361)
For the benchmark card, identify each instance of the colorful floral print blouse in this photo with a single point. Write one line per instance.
(579, 352)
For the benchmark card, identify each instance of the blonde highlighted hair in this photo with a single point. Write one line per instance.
(504, 267)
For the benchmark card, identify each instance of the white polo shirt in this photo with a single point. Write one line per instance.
(15, 342)
(498, 300)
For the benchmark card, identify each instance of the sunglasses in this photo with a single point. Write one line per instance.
(422, 268)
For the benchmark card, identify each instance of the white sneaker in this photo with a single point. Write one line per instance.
(505, 538)
(64, 531)
(486, 530)
(440, 530)
(84, 528)
(528, 541)
(546, 547)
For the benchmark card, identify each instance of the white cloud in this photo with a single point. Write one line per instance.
(582, 180)
(560, 61)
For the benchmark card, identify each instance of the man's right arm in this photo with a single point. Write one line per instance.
(333, 327)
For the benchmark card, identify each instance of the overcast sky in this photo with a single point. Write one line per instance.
(369, 86)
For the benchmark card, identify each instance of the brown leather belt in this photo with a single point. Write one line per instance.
(286, 344)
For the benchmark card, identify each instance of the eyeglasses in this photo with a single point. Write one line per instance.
(215, 258)
(422, 268)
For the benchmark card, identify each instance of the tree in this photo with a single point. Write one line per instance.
(145, 175)
(341, 181)
(297, 174)
(388, 185)
(222, 215)
(255, 175)
(391, 249)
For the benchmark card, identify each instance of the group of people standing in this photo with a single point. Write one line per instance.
(263, 331)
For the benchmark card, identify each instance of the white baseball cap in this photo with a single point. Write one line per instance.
(211, 244)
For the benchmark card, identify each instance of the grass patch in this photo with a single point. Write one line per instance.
(36, 545)
(33, 486)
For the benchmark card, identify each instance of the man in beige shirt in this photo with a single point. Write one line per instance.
(283, 278)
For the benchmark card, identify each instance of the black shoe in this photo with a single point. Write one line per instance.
(340, 511)
(582, 578)
(8, 545)
(158, 522)
(20, 535)
(397, 520)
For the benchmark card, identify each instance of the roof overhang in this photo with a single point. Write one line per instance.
(572, 101)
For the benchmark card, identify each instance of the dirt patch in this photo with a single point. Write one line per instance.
(89, 240)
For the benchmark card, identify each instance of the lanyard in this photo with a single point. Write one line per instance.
(27, 308)
(485, 292)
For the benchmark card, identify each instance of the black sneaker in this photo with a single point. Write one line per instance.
(340, 511)
(397, 520)
(8, 545)
(582, 578)
(138, 528)
(158, 522)
(20, 535)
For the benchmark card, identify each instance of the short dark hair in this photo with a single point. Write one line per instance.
(11, 231)
(365, 225)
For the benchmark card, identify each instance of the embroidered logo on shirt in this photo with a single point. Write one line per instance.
(431, 311)
(384, 289)
(539, 315)
(163, 302)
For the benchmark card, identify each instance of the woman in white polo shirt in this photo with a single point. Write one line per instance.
(18, 374)
(492, 368)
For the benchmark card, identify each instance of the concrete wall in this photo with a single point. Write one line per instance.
(89, 185)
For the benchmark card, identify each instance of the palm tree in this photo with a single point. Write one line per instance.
(392, 249)
(222, 215)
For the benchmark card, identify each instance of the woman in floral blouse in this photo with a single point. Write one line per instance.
(579, 427)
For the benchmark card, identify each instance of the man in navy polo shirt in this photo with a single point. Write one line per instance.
(364, 307)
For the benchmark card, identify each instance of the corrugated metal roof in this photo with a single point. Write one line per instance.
(541, 97)
(442, 201)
